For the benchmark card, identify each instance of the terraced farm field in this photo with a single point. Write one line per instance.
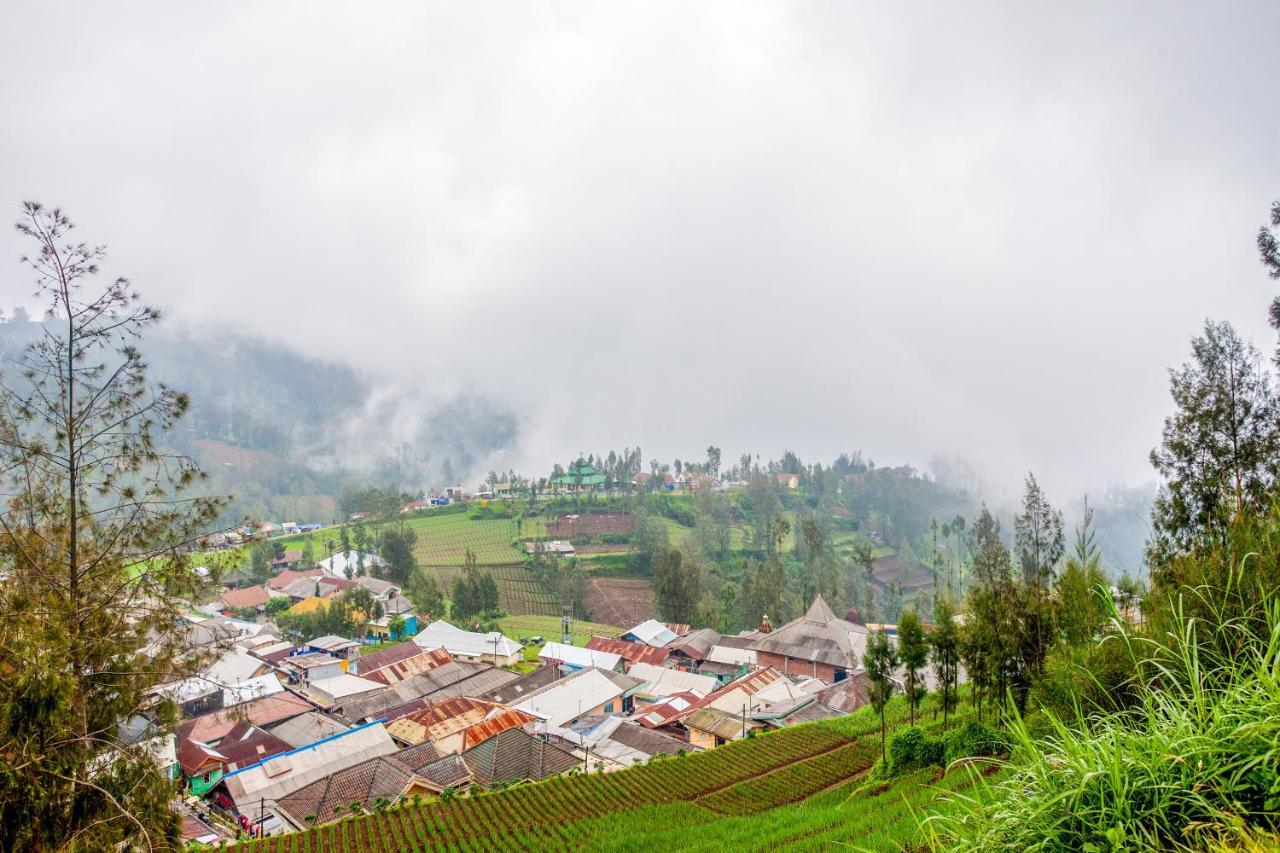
(740, 796)
(443, 540)
(519, 592)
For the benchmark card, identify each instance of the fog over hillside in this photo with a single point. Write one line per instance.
(982, 231)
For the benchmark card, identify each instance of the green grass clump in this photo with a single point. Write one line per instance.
(1195, 765)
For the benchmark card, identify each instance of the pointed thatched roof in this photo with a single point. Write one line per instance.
(819, 635)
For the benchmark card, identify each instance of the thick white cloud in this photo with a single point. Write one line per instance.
(979, 228)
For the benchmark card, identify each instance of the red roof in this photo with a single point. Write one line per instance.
(629, 651)
(250, 596)
(288, 576)
(247, 744)
(198, 758)
(677, 628)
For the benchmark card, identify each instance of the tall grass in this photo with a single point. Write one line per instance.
(1195, 765)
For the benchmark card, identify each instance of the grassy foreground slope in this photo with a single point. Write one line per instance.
(776, 789)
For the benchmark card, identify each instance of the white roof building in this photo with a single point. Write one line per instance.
(578, 657)
(468, 645)
(329, 691)
(287, 772)
(336, 566)
(651, 632)
(254, 688)
(732, 656)
(578, 695)
(234, 666)
(661, 681)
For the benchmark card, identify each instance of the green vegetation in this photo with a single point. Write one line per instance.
(548, 627)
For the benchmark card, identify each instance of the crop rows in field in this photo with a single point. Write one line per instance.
(519, 592)
(446, 542)
(479, 822)
(796, 781)
(588, 524)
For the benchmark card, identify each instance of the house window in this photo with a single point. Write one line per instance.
(608, 709)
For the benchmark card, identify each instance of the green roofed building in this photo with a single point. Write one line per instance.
(581, 475)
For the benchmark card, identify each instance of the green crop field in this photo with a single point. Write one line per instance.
(519, 592)
(548, 627)
(799, 788)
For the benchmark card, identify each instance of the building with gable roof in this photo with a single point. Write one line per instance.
(818, 644)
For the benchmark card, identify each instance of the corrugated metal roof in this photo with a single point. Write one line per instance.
(629, 651)
(578, 656)
(661, 681)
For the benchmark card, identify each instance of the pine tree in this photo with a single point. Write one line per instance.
(94, 533)
(913, 651)
(880, 661)
(944, 642)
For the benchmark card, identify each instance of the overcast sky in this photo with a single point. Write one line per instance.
(986, 229)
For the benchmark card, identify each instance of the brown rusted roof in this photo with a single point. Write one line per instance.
(629, 651)
(247, 744)
(677, 628)
(494, 725)
(405, 660)
(435, 719)
(646, 741)
(260, 712)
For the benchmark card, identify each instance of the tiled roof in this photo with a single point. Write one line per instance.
(514, 755)
(646, 741)
(629, 651)
(250, 596)
(378, 777)
(260, 712)
(442, 771)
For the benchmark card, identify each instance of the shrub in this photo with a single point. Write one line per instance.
(971, 740)
(912, 749)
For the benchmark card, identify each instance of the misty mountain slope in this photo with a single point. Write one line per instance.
(282, 432)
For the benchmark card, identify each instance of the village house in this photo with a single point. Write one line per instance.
(370, 784)
(398, 662)
(689, 651)
(471, 646)
(818, 644)
(585, 693)
(789, 481)
(456, 725)
(651, 632)
(514, 756)
(631, 653)
(657, 683)
(281, 775)
(247, 598)
(573, 658)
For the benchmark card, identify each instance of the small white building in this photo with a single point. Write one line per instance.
(470, 646)
(575, 657)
